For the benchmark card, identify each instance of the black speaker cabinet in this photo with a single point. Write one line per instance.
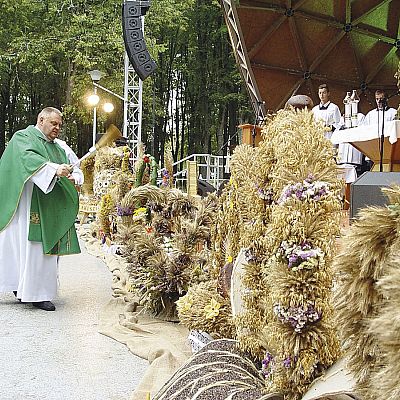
(135, 45)
(366, 190)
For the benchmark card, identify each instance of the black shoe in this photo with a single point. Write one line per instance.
(44, 305)
(15, 294)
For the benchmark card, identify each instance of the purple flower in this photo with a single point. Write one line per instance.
(292, 260)
(287, 362)
(310, 178)
(297, 317)
(267, 365)
(124, 211)
(306, 255)
(309, 189)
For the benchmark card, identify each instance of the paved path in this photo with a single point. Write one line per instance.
(60, 355)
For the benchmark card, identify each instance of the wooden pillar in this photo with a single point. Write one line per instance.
(191, 178)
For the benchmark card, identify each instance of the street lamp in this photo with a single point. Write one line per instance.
(108, 107)
(94, 99)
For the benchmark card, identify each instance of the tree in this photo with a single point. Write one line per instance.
(194, 100)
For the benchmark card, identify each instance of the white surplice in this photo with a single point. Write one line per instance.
(348, 155)
(23, 266)
(73, 159)
(375, 116)
(329, 113)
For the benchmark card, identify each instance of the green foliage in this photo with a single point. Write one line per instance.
(194, 100)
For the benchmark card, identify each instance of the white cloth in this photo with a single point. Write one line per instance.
(23, 266)
(73, 159)
(374, 117)
(347, 172)
(330, 116)
(348, 154)
(367, 132)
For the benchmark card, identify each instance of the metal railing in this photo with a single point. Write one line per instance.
(210, 169)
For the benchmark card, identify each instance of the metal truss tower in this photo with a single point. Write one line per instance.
(133, 94)
(242, 58)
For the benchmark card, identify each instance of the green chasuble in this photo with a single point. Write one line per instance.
(52, 215)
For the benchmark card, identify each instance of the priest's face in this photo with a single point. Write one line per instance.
(380, 99)
(50, 125)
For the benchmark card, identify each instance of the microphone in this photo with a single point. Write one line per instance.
(382, 103)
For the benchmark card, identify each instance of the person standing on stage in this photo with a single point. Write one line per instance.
(39, 206)
(381, 111)
(327, 111)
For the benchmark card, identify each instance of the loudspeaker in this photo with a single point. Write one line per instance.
(366, 190)
(135, 46)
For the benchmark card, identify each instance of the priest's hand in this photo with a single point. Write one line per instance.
(71, 178)
(63, 170)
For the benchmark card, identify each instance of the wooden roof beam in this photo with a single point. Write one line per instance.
(311, 87)
(289, 94)
(320, 18)
(379, 66)
(398, 32)
(327, 50)
(371, 32)
(289, 4)
(375, 35)
(257, 5)
(297, 43)
(359, 67)
(269, 6)
(337, 81)
(348, 11)
(295, 72)
(257, 46)
(290, 71)
(299, 4)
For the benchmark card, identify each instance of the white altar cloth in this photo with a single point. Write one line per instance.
(363, 133)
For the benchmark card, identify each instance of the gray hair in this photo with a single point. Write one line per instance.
(47, 111)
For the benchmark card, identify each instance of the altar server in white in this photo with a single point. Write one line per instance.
(327, 111)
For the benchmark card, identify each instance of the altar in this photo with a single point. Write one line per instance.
(366, 138)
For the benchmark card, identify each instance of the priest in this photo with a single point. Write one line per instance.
(39, 205)
(381, 112)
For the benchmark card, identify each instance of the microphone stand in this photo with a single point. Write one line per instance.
(224, 156)
(383, 103)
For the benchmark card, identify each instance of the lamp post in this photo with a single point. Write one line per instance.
(94, 100)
